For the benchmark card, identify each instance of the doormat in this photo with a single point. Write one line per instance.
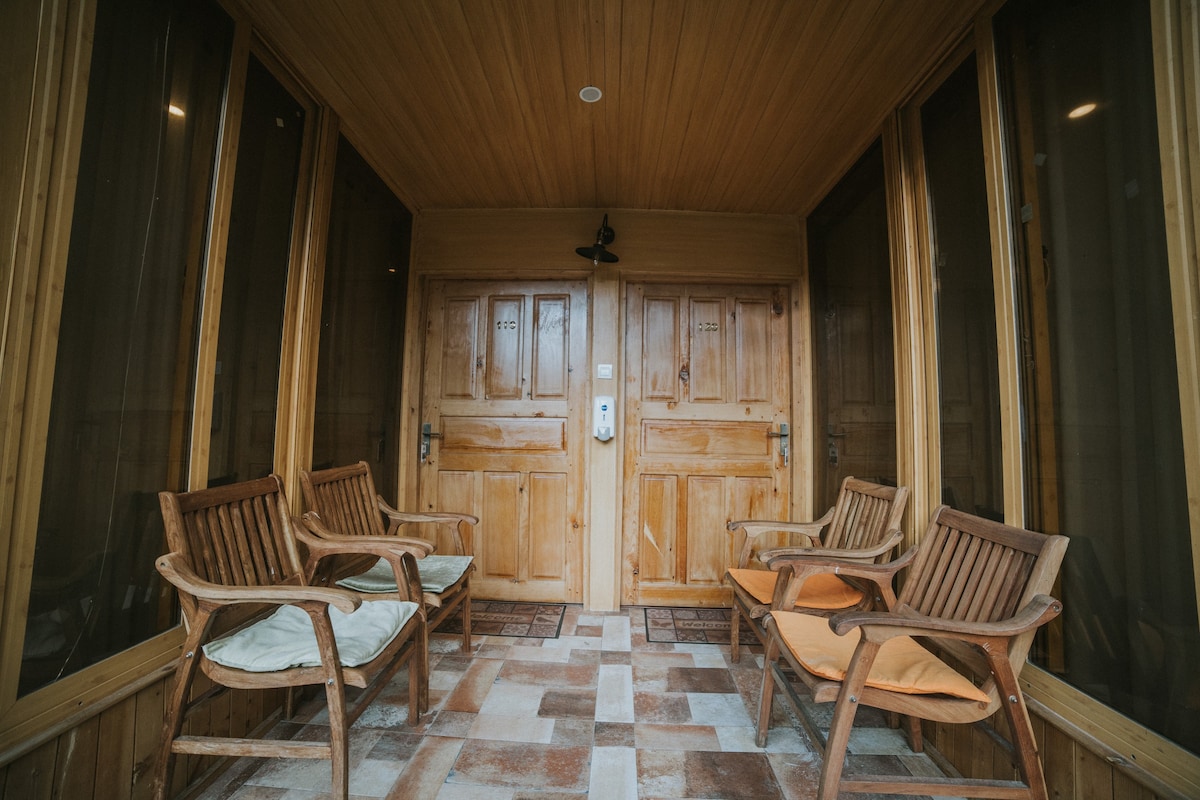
(492, 618)
(699, 625)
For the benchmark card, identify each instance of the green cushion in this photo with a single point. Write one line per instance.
(437, 573)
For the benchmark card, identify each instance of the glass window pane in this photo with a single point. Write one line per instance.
(246, 384)
(124, 373)
(968, 376)
(362, 323)
(1104, 457)
(850, 281)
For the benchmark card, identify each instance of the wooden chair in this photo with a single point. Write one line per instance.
(233, 552)
(862, 525)
(975, 596)
(344, 506)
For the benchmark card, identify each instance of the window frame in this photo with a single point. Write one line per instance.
(43, 216)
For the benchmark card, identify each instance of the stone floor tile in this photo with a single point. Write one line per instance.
(512, 729)
(568, 703)
(427, 770)
(614, 693)
(654, 736)
(522, 765)
(614, 734)
(691, 679)
(616, 634)
(512, 700)
(580, 732)
(474, 686)
(661, 707)
(727, 776)
(718, 709)
(536, 673)
(614, 773)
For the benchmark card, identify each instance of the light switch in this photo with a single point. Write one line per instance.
(604, 370)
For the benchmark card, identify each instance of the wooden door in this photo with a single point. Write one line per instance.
(504, 399)
(854, 387)
(707, 393)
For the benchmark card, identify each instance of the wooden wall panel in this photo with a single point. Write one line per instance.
(529, 241)
(112, 754)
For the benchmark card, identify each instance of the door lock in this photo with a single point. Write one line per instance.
(782, 435)
(427, 434)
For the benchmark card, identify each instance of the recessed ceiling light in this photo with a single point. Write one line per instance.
(1081, 111)
(590, 94)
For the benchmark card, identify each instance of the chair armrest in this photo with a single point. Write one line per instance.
(317, 527)
(794, 570)
(866, 554)
(454, 522)
(753, 528)
(401, 557)
(882, 625)
(173, 567)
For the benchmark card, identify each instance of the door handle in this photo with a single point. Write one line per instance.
(427, 434)
(832, 436)
(782, 435)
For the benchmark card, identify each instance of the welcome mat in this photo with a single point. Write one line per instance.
(700, 625)
(492, 618)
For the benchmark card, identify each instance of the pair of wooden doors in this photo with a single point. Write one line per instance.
(506, 408)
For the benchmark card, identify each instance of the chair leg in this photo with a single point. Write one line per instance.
(1024, 743)
(185, 672)
(767, 691)
(834, 758)
(466, 618)
(734, 624)
(418, 676)
(416, 681)
(916, 737)
(339, 738)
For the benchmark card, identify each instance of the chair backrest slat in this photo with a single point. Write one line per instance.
(345, 498)
(235, 535)
(975, 570)
(864, 514)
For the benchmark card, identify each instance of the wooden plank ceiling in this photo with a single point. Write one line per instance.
(745, 106)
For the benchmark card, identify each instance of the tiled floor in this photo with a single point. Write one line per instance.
(598, 712)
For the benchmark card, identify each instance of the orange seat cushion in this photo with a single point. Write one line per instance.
(823, 590)
(901, 666)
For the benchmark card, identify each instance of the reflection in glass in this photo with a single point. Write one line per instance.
(968, 377)
(1104, 458)
(245, 386)
(849, 276)
(124, 371)
(362, 323)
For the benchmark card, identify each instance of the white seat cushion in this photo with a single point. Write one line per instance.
(286, 638)
(437, 574)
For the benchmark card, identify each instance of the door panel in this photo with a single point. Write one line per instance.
(708, 390)
(504, 397)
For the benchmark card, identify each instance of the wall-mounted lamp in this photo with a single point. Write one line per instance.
(596, 252)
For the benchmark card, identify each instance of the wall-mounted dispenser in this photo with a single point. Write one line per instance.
(603, 416)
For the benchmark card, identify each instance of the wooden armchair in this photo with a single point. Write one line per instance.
(975, 596)
(862, 525)
(233, 553)
(344, 506)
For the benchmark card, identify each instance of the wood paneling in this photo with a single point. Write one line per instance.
(711, 105)
(111, 755)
